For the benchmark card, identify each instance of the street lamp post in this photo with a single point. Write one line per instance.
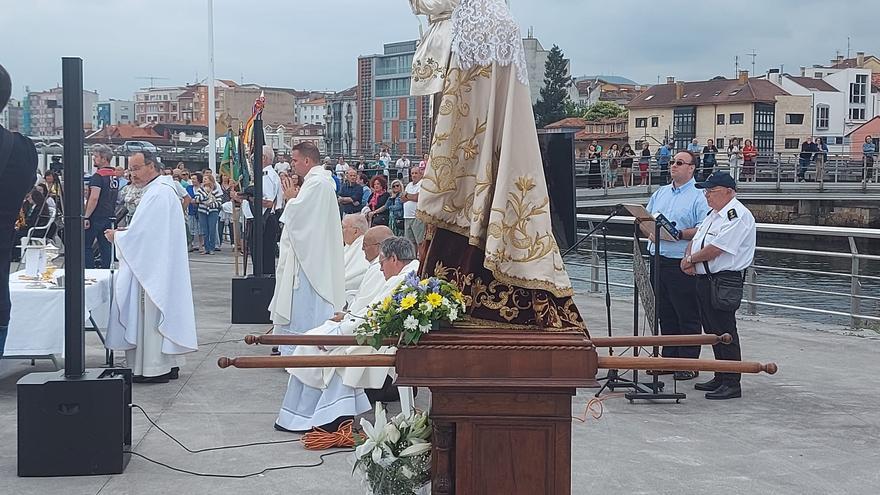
(328, 133)
(348, 134)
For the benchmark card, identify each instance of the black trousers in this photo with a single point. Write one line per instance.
(719, 322)
(676, 306)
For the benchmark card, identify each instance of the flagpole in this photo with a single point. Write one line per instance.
(212, 112)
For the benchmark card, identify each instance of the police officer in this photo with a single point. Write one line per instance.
(18, 172)
(682, 203)
(723, 247)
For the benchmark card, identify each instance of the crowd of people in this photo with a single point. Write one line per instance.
(615, 166)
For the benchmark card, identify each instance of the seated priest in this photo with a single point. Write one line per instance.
(326, 397)
(354, 226)
(373, 279)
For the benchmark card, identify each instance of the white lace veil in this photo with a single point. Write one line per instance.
(484, 32)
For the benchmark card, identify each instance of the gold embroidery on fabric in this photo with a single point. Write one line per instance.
(427, 70)
(510, 302)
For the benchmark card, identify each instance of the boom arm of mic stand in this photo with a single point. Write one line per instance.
(601, 224)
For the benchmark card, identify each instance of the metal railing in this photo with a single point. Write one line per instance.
(777, 168)
(857, 315)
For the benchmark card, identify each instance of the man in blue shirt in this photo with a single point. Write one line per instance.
(676, 296)
(351, 193)
(663, 155)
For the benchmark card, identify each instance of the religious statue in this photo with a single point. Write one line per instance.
(484, 196)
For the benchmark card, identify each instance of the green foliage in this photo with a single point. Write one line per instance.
(603, 110)
(573, 109)
(554, 95)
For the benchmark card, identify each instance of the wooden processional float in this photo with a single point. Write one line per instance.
(500, 399)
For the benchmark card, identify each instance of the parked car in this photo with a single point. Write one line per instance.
(135, 146)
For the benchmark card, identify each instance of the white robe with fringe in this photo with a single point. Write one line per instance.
(152, 317)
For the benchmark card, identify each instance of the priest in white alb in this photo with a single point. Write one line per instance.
(373, 278)
(354, 226)
(309, 281)
(326, 397)
(152, 317)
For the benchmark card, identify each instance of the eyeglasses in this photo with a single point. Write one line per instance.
(680, 163)
(711, 190)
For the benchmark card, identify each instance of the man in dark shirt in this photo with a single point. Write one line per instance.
(18, 172)
(101, 206)
(351, 193)
(808, 148)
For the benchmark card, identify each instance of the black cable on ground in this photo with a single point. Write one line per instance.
(209, 449)
(241, 476)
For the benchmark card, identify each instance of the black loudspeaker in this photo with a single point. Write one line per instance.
(74, 426)
(557, 154)
(250, 299)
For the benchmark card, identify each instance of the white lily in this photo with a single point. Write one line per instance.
(375, 434)
(418, 446)
(392, 434)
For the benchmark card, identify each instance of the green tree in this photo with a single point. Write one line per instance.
(603, 110)
(551, 104)
(574, 109)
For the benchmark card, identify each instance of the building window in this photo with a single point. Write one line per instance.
(765, 122)
(792, 143)
(684, 126)
(857, 113)
(411, 148)
(390, 110)
(822, 112)
(642, 122)
(858, 89)
(719, 143)
(719, 119)
(736, 118)
(393, 87)
(794, 118)
(655, 121)
(386, 131)
(411, 103)
(404, 130)
(818, 75)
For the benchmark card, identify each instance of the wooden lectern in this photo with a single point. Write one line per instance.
(501, 406)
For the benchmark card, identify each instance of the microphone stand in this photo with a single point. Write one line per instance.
(612, 378)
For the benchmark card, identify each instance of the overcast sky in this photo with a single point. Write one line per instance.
(314, 44)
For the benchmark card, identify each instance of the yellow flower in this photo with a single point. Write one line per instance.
(386, 303)
(408, 302)
(435, 299)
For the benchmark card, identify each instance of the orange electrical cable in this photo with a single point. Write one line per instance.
(595, 407)
(319, 439)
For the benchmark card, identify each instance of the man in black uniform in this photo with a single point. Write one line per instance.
(18, 172)
(101, 206)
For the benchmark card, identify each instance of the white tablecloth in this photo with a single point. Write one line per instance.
(36, 324)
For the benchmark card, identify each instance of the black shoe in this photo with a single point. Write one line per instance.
(334, 425)
(174, 374)
(285, 430)
(686, 375)
(708, 386)
(725, 391)
(152, 379)
(275, 351)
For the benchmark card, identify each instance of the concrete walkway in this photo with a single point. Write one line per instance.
(814, 428)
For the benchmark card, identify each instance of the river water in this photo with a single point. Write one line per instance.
(838, 285)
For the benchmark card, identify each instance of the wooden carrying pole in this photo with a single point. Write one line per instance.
(386, 360)
(367, 361)
(349, 340)
(678, 364)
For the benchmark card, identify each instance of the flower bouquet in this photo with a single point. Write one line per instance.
(395, 457)
(412, 310)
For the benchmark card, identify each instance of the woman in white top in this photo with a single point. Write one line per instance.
(734, 157)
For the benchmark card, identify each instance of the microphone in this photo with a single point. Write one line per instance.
(668, 225)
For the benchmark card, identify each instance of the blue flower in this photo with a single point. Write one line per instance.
(434, 285)
(398, 297)
(412, 280)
